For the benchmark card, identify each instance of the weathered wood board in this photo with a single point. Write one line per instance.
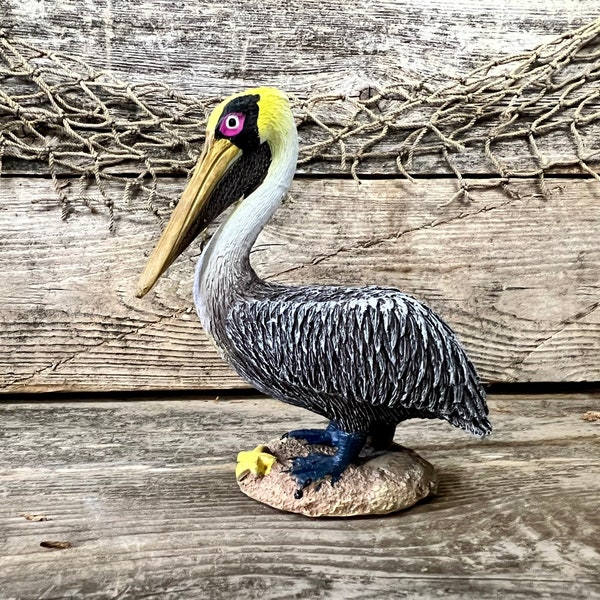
(145, 494)
(518, 280)
(212, 48)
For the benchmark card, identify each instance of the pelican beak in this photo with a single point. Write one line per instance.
(192, 213)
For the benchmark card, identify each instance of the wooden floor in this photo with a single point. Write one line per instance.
(144, 493)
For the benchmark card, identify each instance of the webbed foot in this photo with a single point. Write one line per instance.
(316, 467)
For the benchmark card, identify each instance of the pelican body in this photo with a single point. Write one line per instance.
(365, 358)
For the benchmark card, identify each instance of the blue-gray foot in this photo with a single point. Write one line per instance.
(317, 437)
(316, 467)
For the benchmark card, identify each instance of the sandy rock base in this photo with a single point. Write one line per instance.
(381, 484)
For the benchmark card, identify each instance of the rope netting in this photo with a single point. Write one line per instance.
(520, 116)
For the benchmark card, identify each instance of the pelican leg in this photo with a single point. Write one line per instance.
(381, 436)
(317, 466)
(318, 437)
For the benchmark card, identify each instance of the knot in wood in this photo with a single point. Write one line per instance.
(367, 93)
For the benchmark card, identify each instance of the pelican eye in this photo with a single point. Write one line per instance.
(232, 124)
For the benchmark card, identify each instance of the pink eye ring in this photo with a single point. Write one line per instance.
(232, 124)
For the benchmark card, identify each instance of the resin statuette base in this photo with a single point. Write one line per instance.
(382, 483)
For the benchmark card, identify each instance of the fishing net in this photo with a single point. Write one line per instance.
(521, 116)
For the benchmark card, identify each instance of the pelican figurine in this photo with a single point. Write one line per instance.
(365, 358)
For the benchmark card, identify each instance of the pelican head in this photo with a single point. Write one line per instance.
(245, 136)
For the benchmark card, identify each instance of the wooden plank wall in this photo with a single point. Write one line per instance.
(518, 279)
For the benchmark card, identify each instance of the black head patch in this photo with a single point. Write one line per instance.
(248, 139)
(247, 174)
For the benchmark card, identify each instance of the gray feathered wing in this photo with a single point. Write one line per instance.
(358, 356)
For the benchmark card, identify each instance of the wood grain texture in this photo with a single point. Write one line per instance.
(518, 280)
(210, 49)
(145, 493)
